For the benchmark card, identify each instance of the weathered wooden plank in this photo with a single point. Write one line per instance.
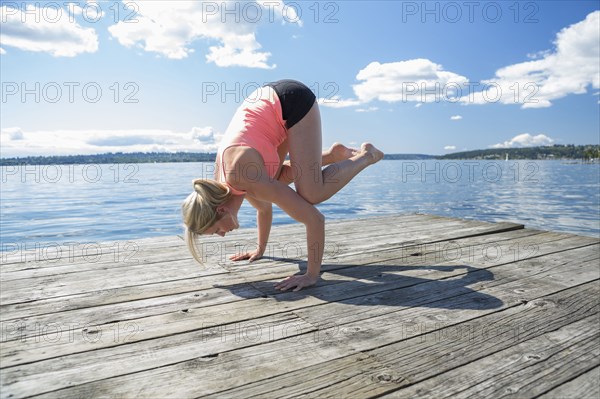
(115, 295)
(493, 249)
(23, 328)
(410, 276)
(16, 257)
(161, 382)
(585, 386)
(458, 338)
(201, 345)
(437, 252)
(418, 284)
(25, 290)
(92, 283)
(422, 341)
(160, 242)
(96, 316)
(353, 376)
(146, 332)
(40, 276)
(353, 278)
(123, 255)
(383, 282)
(552, 312)
(524, 370)
(201, 374)
(390, 245)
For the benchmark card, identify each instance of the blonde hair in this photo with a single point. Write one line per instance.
(199, 210)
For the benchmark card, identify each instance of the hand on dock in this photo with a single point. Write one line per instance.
(251, 256)
(296, 281)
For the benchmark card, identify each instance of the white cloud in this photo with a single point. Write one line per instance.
(91, 11)
(239, 50)
(525, 140)
(204, 135)
(2, 51)
(450, 148)
(15, 142)
(370, 109)
(570, 68)
(538, 54)
(169, 28)
(455, 117)
(57, 33)
(419, 80)
(418, 105)
(14, 133)
(412, 80)
(337, 102)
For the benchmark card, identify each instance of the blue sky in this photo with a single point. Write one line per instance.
(93, 77)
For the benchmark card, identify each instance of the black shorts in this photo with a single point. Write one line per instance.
(296, 100)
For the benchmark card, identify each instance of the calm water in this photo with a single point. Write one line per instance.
(43, 205)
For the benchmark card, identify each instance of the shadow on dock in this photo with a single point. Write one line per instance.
(404, 290)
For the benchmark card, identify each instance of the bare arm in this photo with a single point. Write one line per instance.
(302, 211)
(264, 219)
(262, 188)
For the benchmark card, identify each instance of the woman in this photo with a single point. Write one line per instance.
(278, 119)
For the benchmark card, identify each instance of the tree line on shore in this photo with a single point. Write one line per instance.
(585, 153)
(557, 151)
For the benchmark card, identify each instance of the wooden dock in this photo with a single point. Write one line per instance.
(408, 306)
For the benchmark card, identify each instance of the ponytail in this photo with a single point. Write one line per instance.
(199, 210)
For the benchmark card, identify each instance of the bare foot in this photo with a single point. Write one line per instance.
(340, 152)
(370, 150)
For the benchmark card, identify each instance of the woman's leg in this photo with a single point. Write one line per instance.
(313, 183)
(336, 153)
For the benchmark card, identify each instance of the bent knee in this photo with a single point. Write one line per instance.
(313, 196)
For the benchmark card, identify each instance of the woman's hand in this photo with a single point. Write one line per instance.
(251, 256)
(296, 281)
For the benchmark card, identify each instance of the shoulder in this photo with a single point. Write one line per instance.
(243, 166)
(239, 153)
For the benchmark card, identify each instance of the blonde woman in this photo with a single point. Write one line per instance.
(278, 119)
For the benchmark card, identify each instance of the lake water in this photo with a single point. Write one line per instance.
(57, 204)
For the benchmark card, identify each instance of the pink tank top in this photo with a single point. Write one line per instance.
(258, 123)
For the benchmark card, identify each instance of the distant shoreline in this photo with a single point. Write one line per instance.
(585, 153)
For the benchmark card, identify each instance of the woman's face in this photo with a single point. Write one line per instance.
(224, 225)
